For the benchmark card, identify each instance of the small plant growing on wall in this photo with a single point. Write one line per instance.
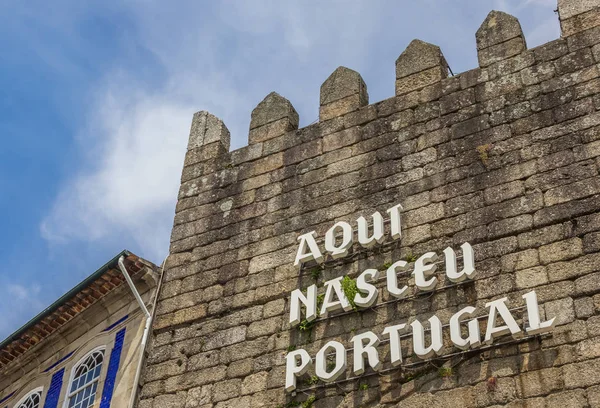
(350, 290)
(306, 326)
(484, 153)
(291, 404)
(315, 273)
(309, 402)
(445, 372)
(410, 257)
(363, 387)
(312, 380)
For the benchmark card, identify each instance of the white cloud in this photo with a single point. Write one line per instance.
(22, 293)
(134, 154)
(20, 301)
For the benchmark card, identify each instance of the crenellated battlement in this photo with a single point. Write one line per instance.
(422, 76)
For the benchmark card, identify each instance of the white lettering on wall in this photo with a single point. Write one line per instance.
(367, 292)
(395, 347)
(339, 250)
(392, 279)
(309, 301)
(473, 338)
(468, 270)
(333, 291)
(437, 339)
(533, 315)
(297, 363)
(331, 359)
(364, 346)
(308, 249)
(339, 357)
(364, 238)
(424, 268)
(395, 221)
(498, 307)
(308, 243)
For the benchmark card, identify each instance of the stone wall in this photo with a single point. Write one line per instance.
(505, 156)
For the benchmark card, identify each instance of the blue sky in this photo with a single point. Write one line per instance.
(96, 101)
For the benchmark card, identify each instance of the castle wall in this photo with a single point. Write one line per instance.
(504, 157)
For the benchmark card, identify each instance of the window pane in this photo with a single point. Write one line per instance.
(83, 386)
(32, 401)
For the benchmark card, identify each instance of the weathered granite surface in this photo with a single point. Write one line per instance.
(505, 156)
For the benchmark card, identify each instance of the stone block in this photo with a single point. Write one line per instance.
(539, 382)
(225, 338)
(498, 38)
(588, 284)
(419, 159)
(419, 56)
(265, 327)
(561, 309)
(343, 92)
(591, 242)
(420, 65)
(501, 52)
(510, 226)
(270, 131)
(227, 389)
(574, 398)
(272, 108)
(497, 28)
(203, 360)
(584, 307)
(538, 73)
(574, 268)
(504, 192)
(519, 260)
(574, 61)
(561, 250)
(255, 383)
(577, 375)
(551, 51)
(208, 129)
(571, 8)
(241, 368)
(199, 397)
(420, 80)
(498, 87)
(587, 151)
(593, 395)
(581, 29)
(572, 191)
(170, 401)
(532, 277)
(340, 139)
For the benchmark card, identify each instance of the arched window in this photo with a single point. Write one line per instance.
(84, 382)
(31, 400)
